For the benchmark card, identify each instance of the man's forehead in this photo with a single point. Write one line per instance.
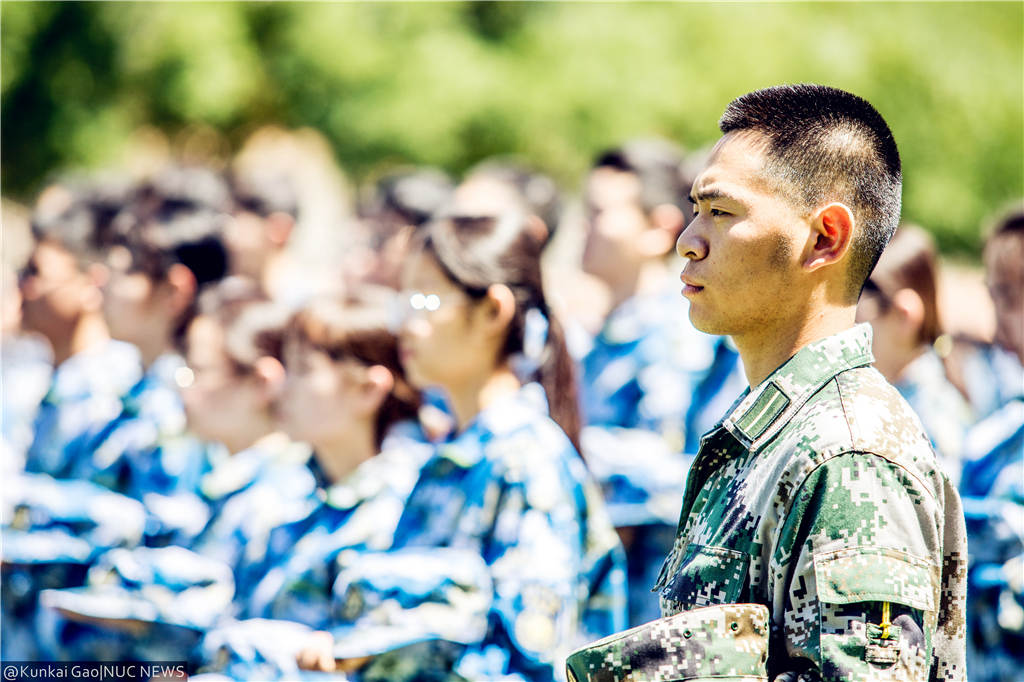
(734, 168)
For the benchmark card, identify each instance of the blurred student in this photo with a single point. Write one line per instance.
(992, 481)
(166, 247)
(62, 303)
(346, 395)
(651, 383)
(397, 205)
(26, 361)
(900, 300)
(502, 184)
(153, 603)
(257, 236)
(53, 530)
(504, 558)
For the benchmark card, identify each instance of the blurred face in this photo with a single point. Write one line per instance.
(54, 291)
(320, 400)
(136, 308)
(249, 248)
(887, 336)
(222, 404)
(615, 220)
(1004, 274)
(441, 342)
(483, 196)
(742, 247)
(10, 308)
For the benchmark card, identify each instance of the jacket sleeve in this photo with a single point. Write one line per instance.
(513, 590)
(857, 575)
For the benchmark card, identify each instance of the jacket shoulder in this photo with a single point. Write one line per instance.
(857, 411)
(881, 422)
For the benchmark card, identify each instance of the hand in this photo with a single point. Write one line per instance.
(318, 654)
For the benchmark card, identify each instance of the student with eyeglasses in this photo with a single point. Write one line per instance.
(504, 558)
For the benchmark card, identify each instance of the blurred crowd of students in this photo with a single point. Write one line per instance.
(457, 455)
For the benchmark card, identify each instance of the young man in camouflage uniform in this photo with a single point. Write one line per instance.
(816, 503)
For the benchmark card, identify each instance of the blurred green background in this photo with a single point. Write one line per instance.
(450, 83)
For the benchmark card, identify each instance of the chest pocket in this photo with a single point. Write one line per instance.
(705, 576)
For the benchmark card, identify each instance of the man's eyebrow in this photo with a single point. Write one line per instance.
(707, 195)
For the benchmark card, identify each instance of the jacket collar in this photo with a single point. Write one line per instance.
(765, 409)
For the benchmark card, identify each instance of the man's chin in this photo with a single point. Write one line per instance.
(702, 323)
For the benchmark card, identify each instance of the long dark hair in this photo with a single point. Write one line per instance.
(476, 252)
(358, 330)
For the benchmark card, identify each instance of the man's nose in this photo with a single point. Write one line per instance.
(691, 244)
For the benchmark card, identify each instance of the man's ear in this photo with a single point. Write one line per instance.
(666, 222)
(832, 229)
(183, 287)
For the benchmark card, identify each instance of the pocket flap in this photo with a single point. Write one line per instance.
(862, 574)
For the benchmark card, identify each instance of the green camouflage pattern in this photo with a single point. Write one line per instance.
(728, 642)
(819, 496)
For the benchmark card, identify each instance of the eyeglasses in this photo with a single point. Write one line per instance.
(421, 301)
(427, 302)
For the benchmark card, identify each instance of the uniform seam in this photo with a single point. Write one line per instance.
(922, 484)
(842, 406)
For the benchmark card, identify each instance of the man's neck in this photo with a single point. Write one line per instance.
(766, 350)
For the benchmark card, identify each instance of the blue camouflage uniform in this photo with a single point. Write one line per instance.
(992, 376)
(146, 453)
(123, 454)
(171, 595)
(26, 362)
(651, 385)
(108, 421)
(503, 560)
(649, 368)
(944, 413)
(290, 591)
(53, 531)
(84, 396)
(992, 487)
(359, 512)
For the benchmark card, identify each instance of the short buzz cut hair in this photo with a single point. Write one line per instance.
(824, 144)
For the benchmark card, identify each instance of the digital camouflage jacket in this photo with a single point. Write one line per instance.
(818, 496)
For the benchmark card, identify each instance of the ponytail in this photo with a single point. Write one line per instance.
(557, 375)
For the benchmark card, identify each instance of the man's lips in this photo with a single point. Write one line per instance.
(690, 285)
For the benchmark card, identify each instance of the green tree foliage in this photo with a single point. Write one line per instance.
(451, 83)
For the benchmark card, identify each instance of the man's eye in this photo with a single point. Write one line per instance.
(717, 212)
